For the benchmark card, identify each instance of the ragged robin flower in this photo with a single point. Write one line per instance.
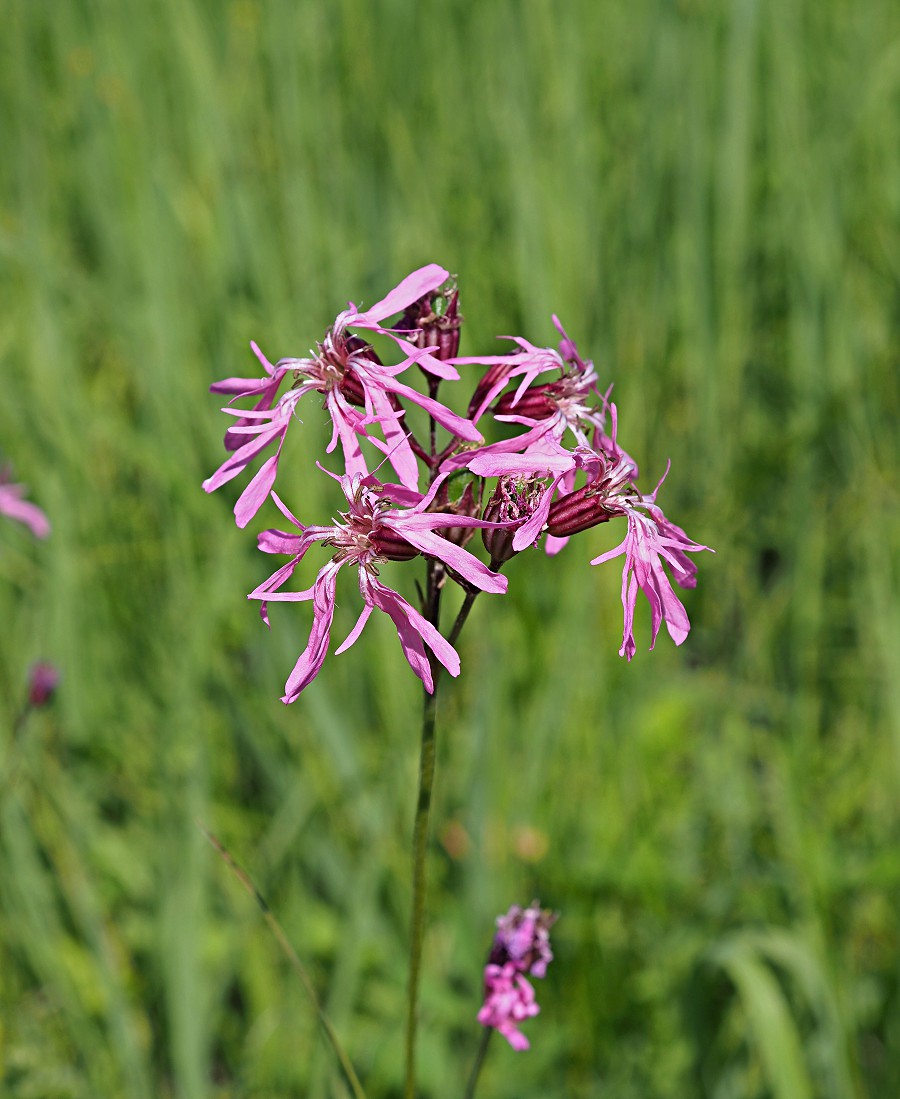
(609, 491)
(651, 542)
(359, 392)
(382, 523)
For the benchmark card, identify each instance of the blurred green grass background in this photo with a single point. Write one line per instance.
(709, 196)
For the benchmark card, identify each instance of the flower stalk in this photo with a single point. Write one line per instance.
(419, 850)
(480, 1056)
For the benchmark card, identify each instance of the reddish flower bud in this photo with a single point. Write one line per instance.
(578, 511)
(392, 546)
(492, 375)
(535, 403)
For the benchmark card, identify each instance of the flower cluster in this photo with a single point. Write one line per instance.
(521, 947)
(557, 469)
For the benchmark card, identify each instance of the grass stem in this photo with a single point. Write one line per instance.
(281, 938)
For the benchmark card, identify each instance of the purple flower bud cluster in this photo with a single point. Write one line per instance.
(557, 469)
(521, 948)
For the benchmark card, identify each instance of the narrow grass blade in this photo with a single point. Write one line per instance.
(281, 938)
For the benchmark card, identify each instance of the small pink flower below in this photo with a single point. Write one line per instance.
(508, 999)
(521, 946)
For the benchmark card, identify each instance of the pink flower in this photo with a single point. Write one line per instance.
(610, 468)
(266, 388)
(571, 403)
(375, 528)
(512, 504)
(508, 999)
(15, 507)
(650, 543)
(523, 936)
(521, 945)
(570, 397)
(359, 391)
(527, 364)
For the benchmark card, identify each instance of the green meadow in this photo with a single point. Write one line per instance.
(708, 195)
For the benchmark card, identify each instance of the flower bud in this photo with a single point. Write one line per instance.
(578, 511)
(491, 376)
(533, 403)
(434, 321)
(392, 546)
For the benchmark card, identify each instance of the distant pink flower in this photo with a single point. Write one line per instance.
(15, 507)
(43, 679)
(375, 528)
(521, 946)
(359, 391)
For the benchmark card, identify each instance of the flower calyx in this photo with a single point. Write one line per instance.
(434, 320)
(513, 501)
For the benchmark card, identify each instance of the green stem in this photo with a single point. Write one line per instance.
(432, 610)
(21, 718)
(468, 603)
(420, 843)
(434, 582)
(14, 749)
(479, 1061)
